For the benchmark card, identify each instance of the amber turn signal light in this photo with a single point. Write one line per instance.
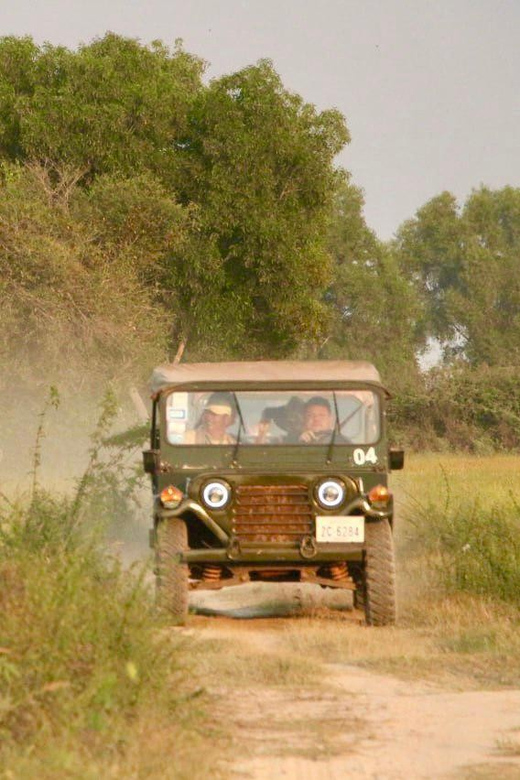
(379, 495)
(171, 497)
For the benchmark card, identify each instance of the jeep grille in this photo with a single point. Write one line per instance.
(272, 513)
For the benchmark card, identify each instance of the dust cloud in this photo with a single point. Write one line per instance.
(61, 453)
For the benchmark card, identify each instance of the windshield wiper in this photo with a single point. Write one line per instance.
(349, 417)
(241, 428)
(336, 429)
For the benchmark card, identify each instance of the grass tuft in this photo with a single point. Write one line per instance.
(467, 545)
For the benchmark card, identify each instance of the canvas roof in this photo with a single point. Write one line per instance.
(256, 372)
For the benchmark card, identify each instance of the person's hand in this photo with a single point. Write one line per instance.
(308, 437)
(262, 431)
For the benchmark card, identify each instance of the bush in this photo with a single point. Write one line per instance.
(471, 548)
(476, 410)
(78, 639)
(89, 684)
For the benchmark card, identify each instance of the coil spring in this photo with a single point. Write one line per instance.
(338, 571)
(211, 573)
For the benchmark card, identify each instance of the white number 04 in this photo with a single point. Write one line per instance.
(361, 457)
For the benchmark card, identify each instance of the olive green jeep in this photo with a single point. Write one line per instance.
(272, 471)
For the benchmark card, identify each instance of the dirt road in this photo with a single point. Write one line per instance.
(345, 721)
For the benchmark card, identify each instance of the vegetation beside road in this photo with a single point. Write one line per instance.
(93, 683)
(458, 542)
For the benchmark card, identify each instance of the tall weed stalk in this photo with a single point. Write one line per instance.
(52, 401)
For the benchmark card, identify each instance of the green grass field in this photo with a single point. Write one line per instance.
(435, 476)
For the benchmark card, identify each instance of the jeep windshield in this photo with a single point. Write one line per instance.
(273, 417)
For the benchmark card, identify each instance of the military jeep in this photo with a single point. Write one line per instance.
(275, 472)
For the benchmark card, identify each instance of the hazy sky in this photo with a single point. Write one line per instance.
(430, 88)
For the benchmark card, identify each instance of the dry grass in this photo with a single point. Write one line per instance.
(458, 641)
(154, 747)
(509, 746)
(231, 659)
(476, 633)
(497, 770)
(426, 478)
(336, 642)
(88, 685)
(462, 639)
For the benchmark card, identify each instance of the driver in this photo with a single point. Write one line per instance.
(318, 421)
(217, 416)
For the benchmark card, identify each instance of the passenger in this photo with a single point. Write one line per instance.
(288, 418)
(216, 418)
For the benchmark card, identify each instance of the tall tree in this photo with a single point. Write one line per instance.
(466, 264)
(429, 251)
(259, 166)
(113, 105)
(486, 301)
(239, 176)
(375, 313)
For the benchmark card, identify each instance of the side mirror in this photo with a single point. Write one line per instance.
(150, 461)
(395, 459)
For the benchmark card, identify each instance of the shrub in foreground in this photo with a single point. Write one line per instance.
(82, 662)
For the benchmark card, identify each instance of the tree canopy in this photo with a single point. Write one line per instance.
(220, 194)
(259, 166)
(145, 211)
(375, 312)
(112, 106)
(465, 263)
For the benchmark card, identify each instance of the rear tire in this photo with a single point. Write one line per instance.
(379, 580)
(171, 574)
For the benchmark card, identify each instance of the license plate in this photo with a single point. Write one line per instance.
(340, 530)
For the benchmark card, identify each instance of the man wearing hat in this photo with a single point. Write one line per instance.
(217, 416)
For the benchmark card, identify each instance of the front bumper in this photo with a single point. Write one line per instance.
(234, 552)
(263, 554)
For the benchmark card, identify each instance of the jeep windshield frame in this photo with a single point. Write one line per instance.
(315, 416)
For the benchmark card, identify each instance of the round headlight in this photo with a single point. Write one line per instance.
(216, 495)
(331, 493)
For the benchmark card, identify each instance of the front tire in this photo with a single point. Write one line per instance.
(171, 574)
(359, 597)
(379, 580)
